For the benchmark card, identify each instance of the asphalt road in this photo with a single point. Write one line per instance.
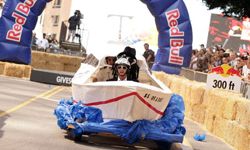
(27, 122)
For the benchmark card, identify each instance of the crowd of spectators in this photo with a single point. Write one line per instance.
(205, 59)
(48, 43)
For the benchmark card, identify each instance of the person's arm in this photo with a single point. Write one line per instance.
(149, 57)
(69, 19)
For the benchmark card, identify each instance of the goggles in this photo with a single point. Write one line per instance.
(122, 67)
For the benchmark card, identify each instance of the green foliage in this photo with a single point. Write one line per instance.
(234, 8)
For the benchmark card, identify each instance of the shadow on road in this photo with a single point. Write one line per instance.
(2, 122)
(113, 142)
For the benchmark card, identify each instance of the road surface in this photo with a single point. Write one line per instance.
(27, 121)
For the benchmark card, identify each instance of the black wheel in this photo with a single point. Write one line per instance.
(163, 145)
(73, 136)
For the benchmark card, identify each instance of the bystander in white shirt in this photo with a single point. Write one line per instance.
(245, 71)
(42, 43)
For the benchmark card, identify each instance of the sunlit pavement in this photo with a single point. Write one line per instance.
(27, 121)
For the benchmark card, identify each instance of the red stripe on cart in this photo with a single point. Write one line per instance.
(124, 96)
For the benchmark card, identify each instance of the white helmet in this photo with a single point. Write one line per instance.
(122, 61)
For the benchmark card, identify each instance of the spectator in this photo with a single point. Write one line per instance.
(193, 63)
(239, 64)
(225, 60)
(246, 69)
(202, 62)
(74, 21)
(202, 47)
(54, 44)
(232, 59)
(34, 39)
(149, 55)
(43, 43)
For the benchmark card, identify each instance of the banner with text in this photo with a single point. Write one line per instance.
(18, 19)
(230, 33)
(224, 77)
(175, 35)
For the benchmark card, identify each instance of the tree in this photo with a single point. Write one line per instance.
(233, 8)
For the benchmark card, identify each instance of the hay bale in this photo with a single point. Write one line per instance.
(220, 127)
(71, 68)
(2, 67)
(27, 71)
(197, 93)
(198, 113)
(14, 70)
(37, 56)
(207, 97)
(243, 112)
(70, 59)
(175, 85)
(52, 57)
(183, 87)
(41, 60)
(165, 78)
(229, 111)
(209, 121)
(187, 100)
(41, 64)
(241, 138)
(217, 103)
(55, 66)
(230, 135)
(188, 109)
(188, 91)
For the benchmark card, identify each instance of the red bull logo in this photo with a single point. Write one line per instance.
(225, 70)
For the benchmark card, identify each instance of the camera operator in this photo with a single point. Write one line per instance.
(74, 22)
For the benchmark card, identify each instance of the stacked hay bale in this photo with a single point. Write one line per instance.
(15, 70)
(48, 61)
(225, 114)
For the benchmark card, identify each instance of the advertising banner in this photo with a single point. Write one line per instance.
(18, 19)
(230, 33)
(175, 35)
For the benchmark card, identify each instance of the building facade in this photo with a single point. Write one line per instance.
(55, 13)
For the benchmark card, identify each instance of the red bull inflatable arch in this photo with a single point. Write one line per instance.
(19, 19)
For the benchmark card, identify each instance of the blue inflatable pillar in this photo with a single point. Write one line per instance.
(175, 35)
(18, 20)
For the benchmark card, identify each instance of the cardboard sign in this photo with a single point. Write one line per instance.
(224, 77)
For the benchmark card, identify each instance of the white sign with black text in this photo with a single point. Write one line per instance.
(231, 83)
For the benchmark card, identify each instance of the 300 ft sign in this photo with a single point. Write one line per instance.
(223, 84)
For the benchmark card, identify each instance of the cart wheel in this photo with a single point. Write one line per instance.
(73, 136)
(163, 145)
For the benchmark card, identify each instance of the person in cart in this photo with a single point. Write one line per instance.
(122, 71)
(106, 71)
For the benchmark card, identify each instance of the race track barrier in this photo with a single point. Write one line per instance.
(41, 60)
(55, 62)
(15, 70)
(225, 114)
